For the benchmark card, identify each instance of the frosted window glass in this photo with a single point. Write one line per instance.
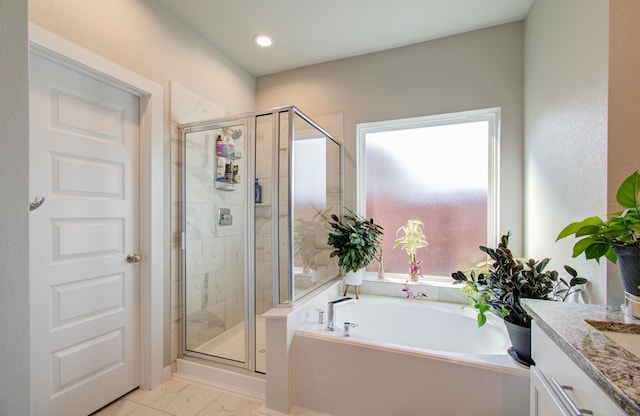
(438, 175)
(310, 167)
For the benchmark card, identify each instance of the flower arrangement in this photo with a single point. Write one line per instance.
(412, 239)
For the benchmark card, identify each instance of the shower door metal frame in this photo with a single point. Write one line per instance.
(249, 255)
(293, 111)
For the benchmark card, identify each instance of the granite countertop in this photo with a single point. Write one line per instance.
(610, 366)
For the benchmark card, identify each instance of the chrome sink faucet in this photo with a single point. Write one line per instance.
(332, 311)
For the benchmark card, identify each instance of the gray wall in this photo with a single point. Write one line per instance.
(14, 188)
(475, 70)
(566, 67)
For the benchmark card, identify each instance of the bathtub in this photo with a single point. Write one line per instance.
(408, 357)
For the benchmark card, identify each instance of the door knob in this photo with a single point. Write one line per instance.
(133, 258)
(35, 204)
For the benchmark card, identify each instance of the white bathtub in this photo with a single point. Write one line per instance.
(408, 357)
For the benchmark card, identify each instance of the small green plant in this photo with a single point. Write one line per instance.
(355, 240)
(412, 239)
(500, 284)
(598, 237)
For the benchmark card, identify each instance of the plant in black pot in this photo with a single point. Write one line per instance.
(617, 239)
(500, 284)
(355, 241)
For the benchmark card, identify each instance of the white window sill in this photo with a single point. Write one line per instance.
(439, 281)
(436, 288)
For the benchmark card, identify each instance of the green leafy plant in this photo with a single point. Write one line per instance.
(500, 284)
(598, 237)
(355, 240)
(412, 239)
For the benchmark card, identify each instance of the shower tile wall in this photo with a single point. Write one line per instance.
(215, 259)
(263, 212)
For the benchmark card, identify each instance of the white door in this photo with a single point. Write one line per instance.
(84, 140)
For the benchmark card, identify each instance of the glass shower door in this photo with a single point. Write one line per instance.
(215, 212)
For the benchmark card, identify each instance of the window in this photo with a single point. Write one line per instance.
(310, 185)
(441, 170)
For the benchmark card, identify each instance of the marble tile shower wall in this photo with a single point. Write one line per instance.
(215, 253)
(263, 222)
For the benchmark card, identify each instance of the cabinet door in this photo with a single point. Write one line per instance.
(543, 400)
(553, 363)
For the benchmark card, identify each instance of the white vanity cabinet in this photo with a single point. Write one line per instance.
(559, 386)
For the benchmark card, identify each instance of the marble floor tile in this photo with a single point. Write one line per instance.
(124, 407)
(231, 405)
(177, 397)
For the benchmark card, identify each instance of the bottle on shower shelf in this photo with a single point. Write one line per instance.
(234, 173)
(219, 146)
(220, 169)
(227, 171)
(258, 192)
(231, 148)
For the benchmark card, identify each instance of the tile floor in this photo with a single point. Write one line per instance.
(178, 397)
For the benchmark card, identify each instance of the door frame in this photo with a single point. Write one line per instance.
(152, 213)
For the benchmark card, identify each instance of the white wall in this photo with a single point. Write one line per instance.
(566, 75)
(143, 36)
(474, 70)
(14, 187)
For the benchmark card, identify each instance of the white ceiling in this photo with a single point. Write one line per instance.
(307, 32)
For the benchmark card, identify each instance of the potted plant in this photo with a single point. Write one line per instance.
(412, 239)
(500, 284)
(355, 241)
(617, 238)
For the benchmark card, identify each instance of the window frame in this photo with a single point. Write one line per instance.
(491, 115)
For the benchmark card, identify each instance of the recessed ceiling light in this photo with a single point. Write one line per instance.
(262, 40)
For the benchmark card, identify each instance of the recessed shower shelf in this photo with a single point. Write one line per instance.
(225, 187)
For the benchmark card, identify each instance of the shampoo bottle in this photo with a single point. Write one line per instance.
(220, 170)
(219, 145)
(258, 192)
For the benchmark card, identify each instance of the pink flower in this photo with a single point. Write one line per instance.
(410, 295)
(415, 268)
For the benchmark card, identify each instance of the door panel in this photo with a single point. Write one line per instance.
(85, 296)
(86, 178)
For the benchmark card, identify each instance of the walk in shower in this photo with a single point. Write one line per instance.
(257, 190)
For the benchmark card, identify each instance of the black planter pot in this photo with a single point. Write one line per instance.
(520, 337)
(629, 264)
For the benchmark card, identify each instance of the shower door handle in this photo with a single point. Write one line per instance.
(133, 258)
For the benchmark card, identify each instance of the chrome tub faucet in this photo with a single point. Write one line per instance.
(332, 311)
